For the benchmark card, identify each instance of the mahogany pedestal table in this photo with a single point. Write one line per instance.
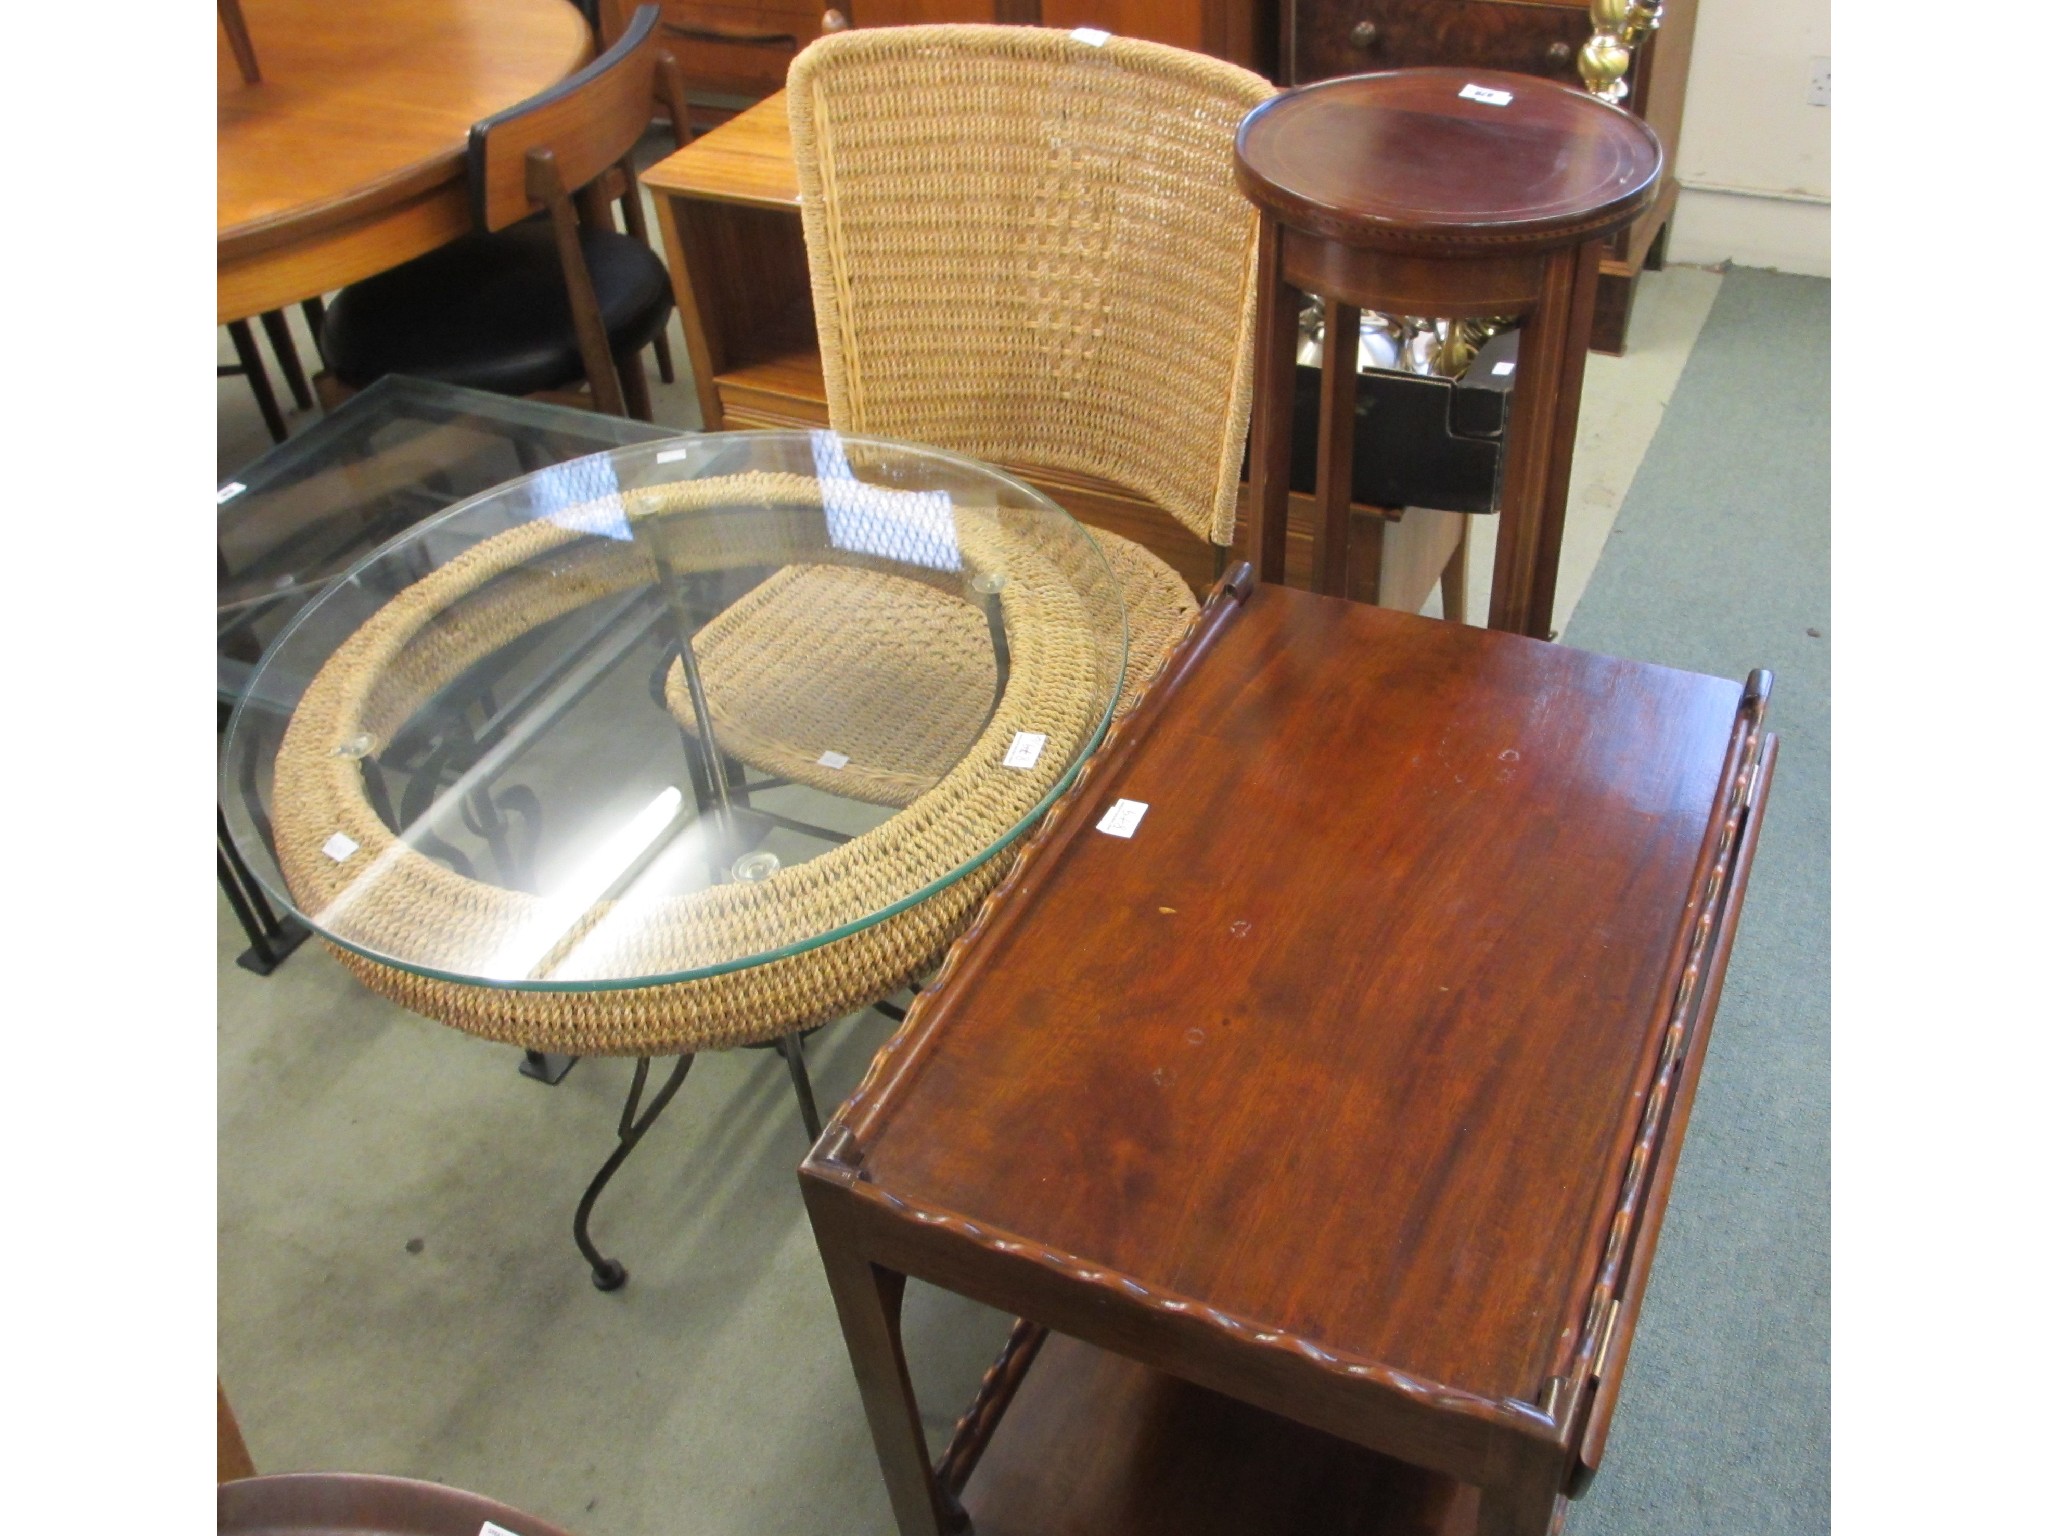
(364, 1504)
(346, 158)
(1321, 1125)
(1443, 192)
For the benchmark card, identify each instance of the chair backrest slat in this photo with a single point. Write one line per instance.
(1029, 247)
(589, 122)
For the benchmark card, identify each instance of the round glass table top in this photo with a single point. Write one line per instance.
(673, 709)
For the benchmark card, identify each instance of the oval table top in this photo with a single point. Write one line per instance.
(674, 710)
(346, 158)
(1437, 158)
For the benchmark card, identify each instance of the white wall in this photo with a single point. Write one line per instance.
(1753, 155)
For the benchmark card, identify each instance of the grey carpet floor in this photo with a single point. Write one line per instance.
(1719, 563)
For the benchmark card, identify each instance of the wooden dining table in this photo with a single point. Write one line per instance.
(345, 158)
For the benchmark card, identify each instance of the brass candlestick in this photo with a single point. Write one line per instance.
(1618, 27)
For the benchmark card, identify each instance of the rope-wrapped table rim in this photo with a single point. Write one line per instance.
(318, 790)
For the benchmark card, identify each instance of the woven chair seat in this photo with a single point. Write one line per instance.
(507, 585)
(927, 678)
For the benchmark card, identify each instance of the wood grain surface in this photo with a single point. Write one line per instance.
(1406, 157)
(1138, 1453)
(1349, 1087)
(346, 159)
(325, 1503)
(1345, 1041)
(745, 161)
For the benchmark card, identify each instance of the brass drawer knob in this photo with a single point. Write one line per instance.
(1365, 34)
(1560, 53)
(834, 20)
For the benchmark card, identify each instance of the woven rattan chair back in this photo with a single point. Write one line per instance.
(1028, 247)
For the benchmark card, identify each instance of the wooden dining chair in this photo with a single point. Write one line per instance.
(1026, 246)
(248, 363)
(546, 293)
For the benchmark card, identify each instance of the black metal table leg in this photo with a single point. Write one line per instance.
(546, 1066)
(609, 1274)
(792, 1048)
(271, 938)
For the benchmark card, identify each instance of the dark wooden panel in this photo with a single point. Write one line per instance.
(739, 47)
(1352, 37)
(1096, 1445)
(907, 13)
(1459, 959)
(1161, 21)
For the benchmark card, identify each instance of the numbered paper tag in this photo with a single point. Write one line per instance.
(228, 493)
(1122, 819)
(1502, 369)
(1024, 750)
(339, 846)
(1094, 37)
(670, 455)
(833, 760)
(1487, 96)
(492, 1528)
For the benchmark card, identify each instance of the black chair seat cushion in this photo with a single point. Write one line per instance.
(492, 312)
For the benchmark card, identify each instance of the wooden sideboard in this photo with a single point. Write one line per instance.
(1321, 39)
(742, 48)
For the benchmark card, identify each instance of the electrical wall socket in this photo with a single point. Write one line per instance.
(1817, 84)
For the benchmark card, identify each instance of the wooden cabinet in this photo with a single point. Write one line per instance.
(1320, 39)
(742, 48)
(1357, 36)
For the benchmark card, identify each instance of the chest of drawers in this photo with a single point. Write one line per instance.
(742, 48)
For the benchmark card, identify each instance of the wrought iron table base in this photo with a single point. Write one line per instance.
(609, 1274)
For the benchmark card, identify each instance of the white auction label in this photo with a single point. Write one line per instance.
(1502, 369)
(1487, 95)
(834, 760)
(1094, 37)
(228, 493)
(670, 455)
(1122, 819)
(492, 1528)
(339, 846)
(1024, 749)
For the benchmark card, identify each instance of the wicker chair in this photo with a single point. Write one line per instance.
(1028, 248)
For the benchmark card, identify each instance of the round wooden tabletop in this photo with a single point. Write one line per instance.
(346, 158)
(1447, 158)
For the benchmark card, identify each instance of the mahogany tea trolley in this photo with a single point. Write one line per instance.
(1312, 1088)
